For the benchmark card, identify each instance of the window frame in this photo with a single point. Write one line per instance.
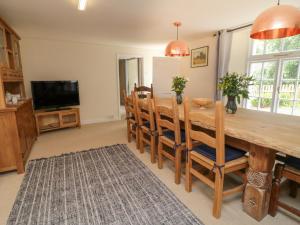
(279, 58)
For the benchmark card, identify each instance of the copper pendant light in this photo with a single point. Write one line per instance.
(178, 47)
(277, 22)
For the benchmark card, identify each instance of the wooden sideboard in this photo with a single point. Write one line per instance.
(17, 124)
(17, 135)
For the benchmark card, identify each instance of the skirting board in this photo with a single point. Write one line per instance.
(99, 120)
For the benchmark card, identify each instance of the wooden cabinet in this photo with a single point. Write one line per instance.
(17, 135)
(17, 124)
(11, 76)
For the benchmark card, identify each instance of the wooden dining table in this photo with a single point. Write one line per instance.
(262, 134)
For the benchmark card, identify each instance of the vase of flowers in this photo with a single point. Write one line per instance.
(178, 86)
(235, 86)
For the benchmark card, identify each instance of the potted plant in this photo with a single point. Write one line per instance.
(178, 86)
(235, 86)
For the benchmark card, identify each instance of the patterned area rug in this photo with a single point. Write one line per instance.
(108, 185)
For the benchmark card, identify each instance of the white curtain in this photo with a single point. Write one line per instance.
(224, 47)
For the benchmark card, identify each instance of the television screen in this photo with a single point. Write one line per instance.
(54, 94)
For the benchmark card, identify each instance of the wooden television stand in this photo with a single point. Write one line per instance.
(48, 120)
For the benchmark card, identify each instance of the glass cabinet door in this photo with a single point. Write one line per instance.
(2, 47)
(17, 56)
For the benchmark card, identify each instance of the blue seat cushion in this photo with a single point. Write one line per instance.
(171, 135)
(230, 152)
(147, 124)
(293, 162)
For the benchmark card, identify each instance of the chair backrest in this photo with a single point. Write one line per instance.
(130, 106)
(167, 117)
(217, 141)
(142, 89)
(145, 111)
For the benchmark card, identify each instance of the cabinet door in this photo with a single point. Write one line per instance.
(3, 61)
(26, 127)
(17, 55)
(69, 119)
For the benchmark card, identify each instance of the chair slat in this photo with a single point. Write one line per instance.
(165, 111)
(203, 137)
(167, 124)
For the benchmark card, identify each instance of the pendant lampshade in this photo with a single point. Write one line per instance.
(277, 22)
(178, 47)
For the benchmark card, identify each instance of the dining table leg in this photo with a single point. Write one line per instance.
(259, 181)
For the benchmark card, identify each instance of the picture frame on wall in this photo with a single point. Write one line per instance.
(199, 57)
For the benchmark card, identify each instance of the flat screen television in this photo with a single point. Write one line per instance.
(54, 94)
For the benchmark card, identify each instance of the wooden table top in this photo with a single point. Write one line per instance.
(275, 131)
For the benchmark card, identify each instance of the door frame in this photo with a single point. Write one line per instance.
(124, 56)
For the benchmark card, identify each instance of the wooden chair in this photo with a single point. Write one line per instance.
(131, 117)
(143, 91)
(290, 170)
(146, 124)
(170, 134)
(212, 154)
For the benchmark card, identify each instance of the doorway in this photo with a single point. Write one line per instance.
(130, 72)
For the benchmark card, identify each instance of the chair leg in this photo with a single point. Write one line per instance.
(160, 159)
(275, 189)
(141, 139)
(128, 131)
(137, 138)
(293, 189)
(218, 198)
(178, 165)
(152, 149)
(188, 175)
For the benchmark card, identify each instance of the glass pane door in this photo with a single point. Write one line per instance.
(288, 92)
(262, 92)
(16, 53)
(2, 46)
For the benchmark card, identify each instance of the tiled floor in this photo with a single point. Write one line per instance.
(199, 200)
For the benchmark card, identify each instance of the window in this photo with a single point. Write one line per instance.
(275, 65)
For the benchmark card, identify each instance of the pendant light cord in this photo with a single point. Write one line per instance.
(278, 3)
(177, 32)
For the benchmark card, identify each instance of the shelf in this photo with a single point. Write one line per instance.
(50, 126)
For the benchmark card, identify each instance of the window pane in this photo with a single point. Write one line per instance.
(292, 43)
(285, 106)
(254, 89)
(267, 89)
(287, 90)
(272, 46)
(269, 70)
(298, 92)
(255, 70)
(252, 103)
(297, 108)
(265, 104)
(290, 69)
(258, 47)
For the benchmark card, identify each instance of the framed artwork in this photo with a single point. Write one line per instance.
(199, 57)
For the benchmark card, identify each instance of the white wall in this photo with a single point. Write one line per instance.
(202, 79)
(239, 51)
(164, 69)
(95, 66)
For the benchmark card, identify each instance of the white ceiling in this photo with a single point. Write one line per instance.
(129, 22)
